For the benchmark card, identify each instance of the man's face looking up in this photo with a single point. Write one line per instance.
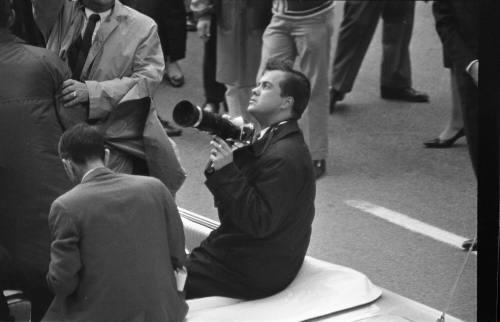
(266, 98)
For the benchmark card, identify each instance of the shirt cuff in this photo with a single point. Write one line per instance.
(470, 65)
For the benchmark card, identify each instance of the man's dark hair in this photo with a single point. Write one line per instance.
(81, 143)
(5, 8)
(295, 84)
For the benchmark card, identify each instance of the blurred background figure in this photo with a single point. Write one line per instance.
(213, 90)
(240, 24)
(454, 128)
(190, 19)
(302, 30)
(356, 31)
(457, 26)
(24, 27)
(31, 174)
(170, 17)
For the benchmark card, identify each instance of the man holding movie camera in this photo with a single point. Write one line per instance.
(264, 193)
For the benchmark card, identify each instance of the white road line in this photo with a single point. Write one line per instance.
(409, 223)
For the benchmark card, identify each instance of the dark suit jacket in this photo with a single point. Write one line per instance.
(31, 174)
(457, 26)
(265, 201)
(116, 240)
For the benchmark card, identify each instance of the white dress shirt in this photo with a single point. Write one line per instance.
(88, 13)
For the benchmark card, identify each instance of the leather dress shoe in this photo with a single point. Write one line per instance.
(437, 143)
(470, 243)
(407, 94)
(335, 96)
(175, 80)
(170, 129)
(319, 168)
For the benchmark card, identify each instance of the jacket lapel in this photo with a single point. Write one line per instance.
(74, 31)
(105, 30)
(273, 135)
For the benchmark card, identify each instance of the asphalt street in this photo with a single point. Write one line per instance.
(376, 156)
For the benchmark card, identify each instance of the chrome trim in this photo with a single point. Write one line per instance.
(199, 219)
(200, 116)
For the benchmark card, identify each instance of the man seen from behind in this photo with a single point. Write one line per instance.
(116, 241)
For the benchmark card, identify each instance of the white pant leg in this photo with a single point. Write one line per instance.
(310, 36)
(237, 100)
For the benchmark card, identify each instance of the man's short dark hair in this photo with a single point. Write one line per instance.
(295, 84)
(5, 8)
(81, 143)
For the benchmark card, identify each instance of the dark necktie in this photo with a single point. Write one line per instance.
(84, 46)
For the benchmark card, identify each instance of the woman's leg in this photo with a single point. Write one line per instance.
(455, 122)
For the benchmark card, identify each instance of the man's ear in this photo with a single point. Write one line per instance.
(106, 157)
(288, 102)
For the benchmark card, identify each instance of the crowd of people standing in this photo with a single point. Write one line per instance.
(102, 63)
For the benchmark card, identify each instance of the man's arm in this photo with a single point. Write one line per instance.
(64, 252)
(258, 208)
(46, 13)
(447, 29)
(58, 70)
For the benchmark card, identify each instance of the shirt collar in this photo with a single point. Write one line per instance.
(264, 131)
(103, 15)
(89, 172)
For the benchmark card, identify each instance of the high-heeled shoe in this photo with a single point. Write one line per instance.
(437, 143)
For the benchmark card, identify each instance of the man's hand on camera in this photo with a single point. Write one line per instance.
(221, 153)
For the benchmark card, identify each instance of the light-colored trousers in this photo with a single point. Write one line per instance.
(308, 41)
(237, 98)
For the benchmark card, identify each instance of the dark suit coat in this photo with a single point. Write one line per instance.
(116, 239)
(31, 174)
(457, 26)
(265, 201)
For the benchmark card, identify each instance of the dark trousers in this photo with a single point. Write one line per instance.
(468, 92)
(171, 20)
(356, 32)
(170, 16)
(214, 91)
(206, 277)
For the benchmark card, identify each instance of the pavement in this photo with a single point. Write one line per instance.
(387, 206)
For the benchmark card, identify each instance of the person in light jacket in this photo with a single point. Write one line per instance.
(116, 59)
